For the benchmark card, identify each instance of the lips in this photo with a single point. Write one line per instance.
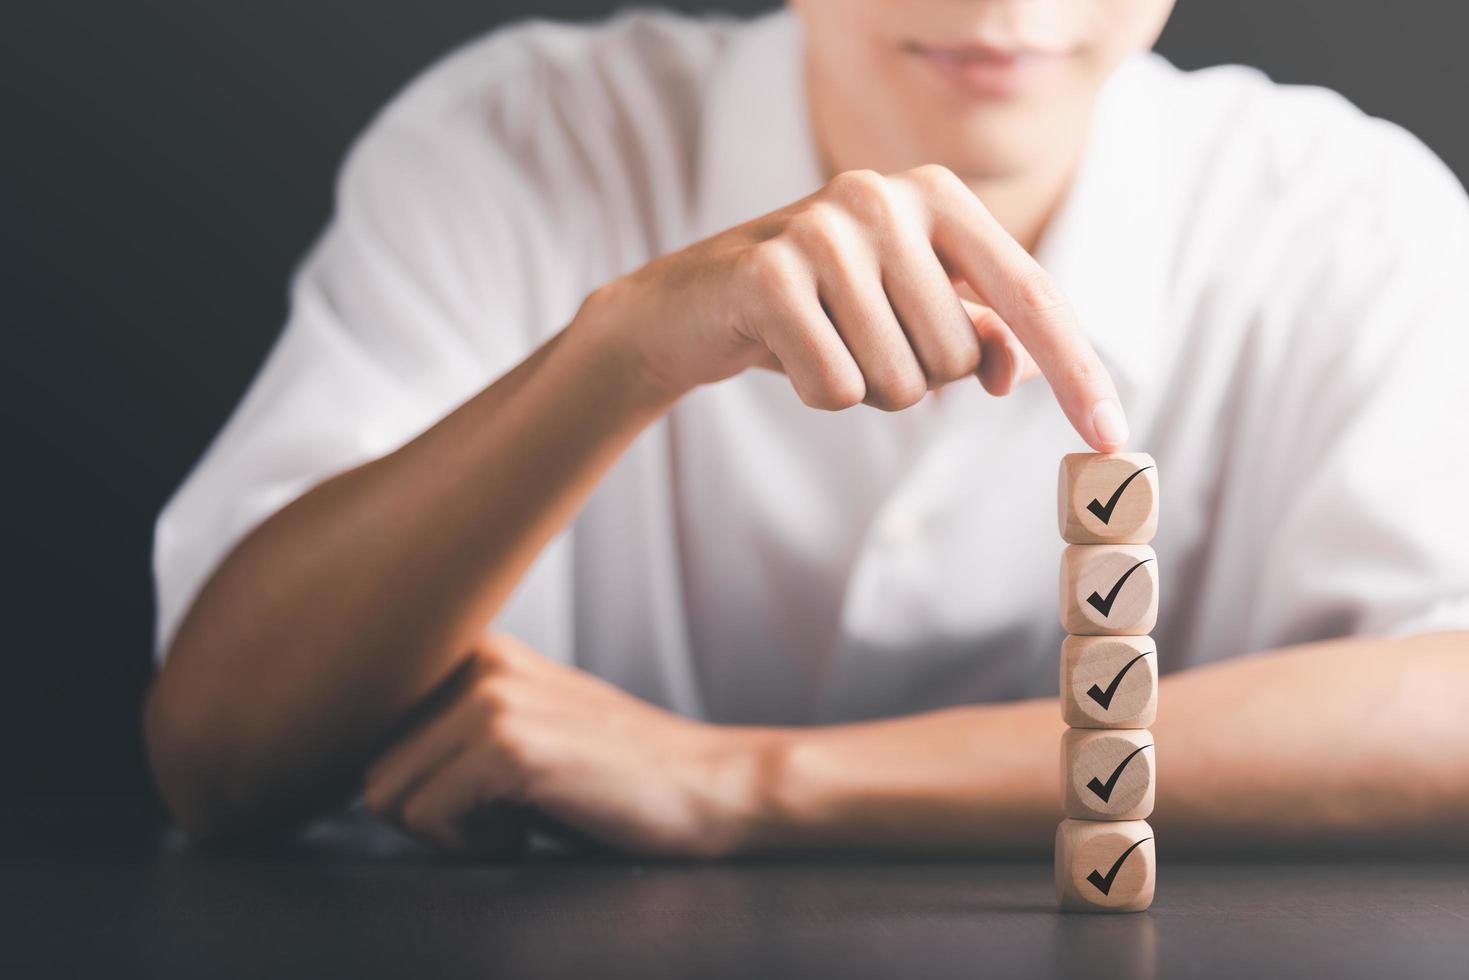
(987, 70)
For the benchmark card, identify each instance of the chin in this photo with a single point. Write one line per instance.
(992, 153)
(993, 161)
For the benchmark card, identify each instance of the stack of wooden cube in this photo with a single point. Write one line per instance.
(1105, 856)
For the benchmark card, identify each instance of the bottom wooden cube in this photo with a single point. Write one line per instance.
(1105, 866)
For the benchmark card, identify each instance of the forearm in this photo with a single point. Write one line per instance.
(1346, 743)
(341, 612)
(1354, 743)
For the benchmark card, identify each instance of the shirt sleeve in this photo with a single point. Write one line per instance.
(422, 290)
(1354, 472)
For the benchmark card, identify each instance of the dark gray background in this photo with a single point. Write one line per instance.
(165, 164)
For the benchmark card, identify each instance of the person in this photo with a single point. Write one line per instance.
(649, 447)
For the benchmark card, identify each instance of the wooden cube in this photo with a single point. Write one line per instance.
(1108, 498)
(1109, 681)
(1107, 775)
(1105, 867)
(1109, 589)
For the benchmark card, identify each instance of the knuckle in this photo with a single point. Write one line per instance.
(493, 654)
(489, 698)
(835, 391)
(897, 390)
(483, 658)
(821, 231)
(1082, 372)
(954, 361)
(500, 645)
(851, 184)
(935, 178)
(1036, 291)
(862, 191)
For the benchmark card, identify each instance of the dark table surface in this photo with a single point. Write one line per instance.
(355, 900)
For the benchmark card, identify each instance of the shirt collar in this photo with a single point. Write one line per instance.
(1107, 245)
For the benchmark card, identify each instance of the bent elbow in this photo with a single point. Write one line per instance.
(199, 783)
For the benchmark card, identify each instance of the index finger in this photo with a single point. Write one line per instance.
(972, 242)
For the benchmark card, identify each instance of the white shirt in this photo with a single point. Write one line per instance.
(1278, 283)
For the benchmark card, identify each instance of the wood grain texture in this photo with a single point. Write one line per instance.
(1105, 867)
(1109, 589)
(1107, 775)
(1107, 498)
(1109, 681)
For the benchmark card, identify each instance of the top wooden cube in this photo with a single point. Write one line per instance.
(1108, 498)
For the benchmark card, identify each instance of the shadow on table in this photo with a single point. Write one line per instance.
(384, 904)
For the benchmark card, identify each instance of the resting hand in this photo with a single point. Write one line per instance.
(523, 729)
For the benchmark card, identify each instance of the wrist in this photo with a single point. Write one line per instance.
(741, 789)
(610, 321)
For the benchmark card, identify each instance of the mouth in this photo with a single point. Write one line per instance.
(986, 70)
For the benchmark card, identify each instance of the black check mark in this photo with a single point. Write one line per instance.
(1104, 790)
(1104, 698)
(1104, 606)
(1104, 514)
(1104, 885)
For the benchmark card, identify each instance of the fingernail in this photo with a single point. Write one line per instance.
(1108, 423)
(1014, 369)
